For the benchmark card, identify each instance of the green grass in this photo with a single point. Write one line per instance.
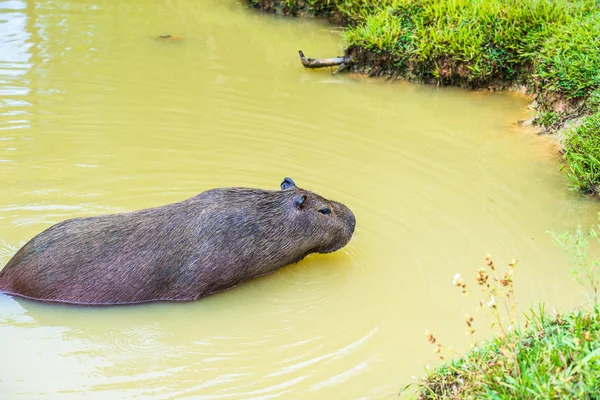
(582, 153)
(476, 41)
(568, 61)
(557, 357)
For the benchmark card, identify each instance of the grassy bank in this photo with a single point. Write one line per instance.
(550, 48)
(550, 356)
(556, 357)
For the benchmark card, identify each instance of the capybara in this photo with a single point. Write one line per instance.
(182, 251)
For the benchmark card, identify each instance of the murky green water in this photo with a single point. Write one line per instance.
(97, 116)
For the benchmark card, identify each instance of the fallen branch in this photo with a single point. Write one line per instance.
(324, 62)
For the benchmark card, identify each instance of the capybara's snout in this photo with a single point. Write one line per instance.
(351, 220)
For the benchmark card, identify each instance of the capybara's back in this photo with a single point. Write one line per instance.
(182, 251)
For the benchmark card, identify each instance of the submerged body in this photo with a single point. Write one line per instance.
(182, 251)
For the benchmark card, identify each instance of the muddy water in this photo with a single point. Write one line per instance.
(99, 117)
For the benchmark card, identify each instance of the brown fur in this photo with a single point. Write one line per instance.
(182, 251)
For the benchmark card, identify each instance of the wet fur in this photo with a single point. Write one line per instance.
(182, 251)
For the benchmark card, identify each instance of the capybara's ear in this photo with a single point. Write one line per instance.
(300, 202)
(287, 183)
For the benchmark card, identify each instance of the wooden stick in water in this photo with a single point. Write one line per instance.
(322, 62)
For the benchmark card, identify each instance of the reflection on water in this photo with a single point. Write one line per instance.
(98, 116)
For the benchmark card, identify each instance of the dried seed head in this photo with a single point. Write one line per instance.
(430, 338)
(490, 262)
(481, 277)
(507, 279)
(458, 281)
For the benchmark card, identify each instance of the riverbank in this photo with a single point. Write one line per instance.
(548, 49)
(555, 357)
(549, 355)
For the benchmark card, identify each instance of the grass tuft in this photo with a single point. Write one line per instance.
(475, 41)
(558, 357)
(582, 153)
(568, 61)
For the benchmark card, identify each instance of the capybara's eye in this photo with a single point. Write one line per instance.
(325, 211)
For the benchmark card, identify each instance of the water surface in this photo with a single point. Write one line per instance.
(98, 116)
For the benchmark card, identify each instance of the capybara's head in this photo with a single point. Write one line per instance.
(325, 224)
